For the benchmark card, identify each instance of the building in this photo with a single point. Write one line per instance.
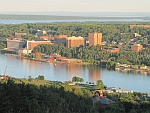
(20, 34)
(60, 39)
(112, 50)
(139, 26)
(32, 44)
(24, 51)
(75, 42)
(71, 60)
(136, 47)
(95, 39)
(39, 32)
(38, 54)
(15, 44)
(54, 56)
(46, 38)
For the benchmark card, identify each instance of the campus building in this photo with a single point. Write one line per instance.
(112, 50)
(15, 44)
(136, 47)
(46, 37)
(75, 42)
(60, 39)
(95, 39)
(32, 44)
(139, 26)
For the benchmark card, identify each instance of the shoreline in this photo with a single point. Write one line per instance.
(44, 60)
(120, 69)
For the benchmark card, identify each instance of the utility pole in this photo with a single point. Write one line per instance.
(5, 70)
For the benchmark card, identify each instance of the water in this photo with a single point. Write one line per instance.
(22, 68)
(50, 21)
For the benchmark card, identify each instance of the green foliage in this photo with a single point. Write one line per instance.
(111, 65)
(2, 44)
(77, 79)
(40, 77)
(28, 98)
(30, 79)
(99, 85)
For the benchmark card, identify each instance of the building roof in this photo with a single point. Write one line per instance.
(75, 38)
(106, 101)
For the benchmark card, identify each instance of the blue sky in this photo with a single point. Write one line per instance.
(75, 5)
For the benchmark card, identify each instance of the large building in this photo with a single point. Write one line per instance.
(46, 37)
(60, 39)
(112, 50)
(139, 26)
(95, 39)
(75, 42)
(21, 34)
(15, 44)
(32, 44)
(136, 47)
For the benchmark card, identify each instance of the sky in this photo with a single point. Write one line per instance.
(74, 5)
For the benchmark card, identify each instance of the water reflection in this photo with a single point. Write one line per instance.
(21, 68)
(94, 73)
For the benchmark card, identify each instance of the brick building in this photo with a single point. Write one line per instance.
(71, 61)
(20, 34)
(139, 26)
(112, 50)
(95, 39)
(32, 44)
(58, 39)
(75, 42)
(46, 38)
(136, 47)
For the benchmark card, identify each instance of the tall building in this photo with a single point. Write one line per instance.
(60, 39)
(95, 39)
(136, 47)
(75, 42)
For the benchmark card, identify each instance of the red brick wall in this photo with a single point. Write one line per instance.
(34, 44)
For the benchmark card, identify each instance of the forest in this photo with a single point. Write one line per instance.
(17, 96)
(112, 31)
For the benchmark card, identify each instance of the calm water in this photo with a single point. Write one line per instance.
(50, 21)
(22, 68)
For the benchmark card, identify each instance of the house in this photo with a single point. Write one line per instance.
(135, 66)
(106, 101)
(143, 67)
(110, 88)
(69, 83)
(127, 91)
(109, 91)
(123, 91)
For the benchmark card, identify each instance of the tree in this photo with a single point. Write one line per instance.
(77, 79)
(99, 85)
(40, 77)
(30, 78)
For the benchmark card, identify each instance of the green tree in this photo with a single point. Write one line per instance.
(77, 79)
(99, 85)
(40, 77)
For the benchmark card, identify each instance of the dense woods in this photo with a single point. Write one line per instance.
(29, 98)
(111, 31)
(17, 96)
